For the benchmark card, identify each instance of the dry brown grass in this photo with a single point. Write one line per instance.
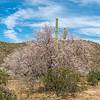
(19, 88)
(92, 93)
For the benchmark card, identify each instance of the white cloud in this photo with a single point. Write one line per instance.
(90, 31)
(75, 22)
(35, 1)
(48, 12)
(72, 22)
(84, 25)
(85, 2)
(12, 20)
(11, 34)
(40, 24)
(18, 18)
(40, 2)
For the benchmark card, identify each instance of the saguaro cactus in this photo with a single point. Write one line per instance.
(64, 36)
(56, 34)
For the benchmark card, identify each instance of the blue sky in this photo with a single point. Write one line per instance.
(20, 20)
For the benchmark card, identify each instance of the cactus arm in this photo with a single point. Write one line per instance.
(64, 37)
(65, 34)
(56, 34)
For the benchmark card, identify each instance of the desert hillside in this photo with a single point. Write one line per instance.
(80, 54)
(7, 48)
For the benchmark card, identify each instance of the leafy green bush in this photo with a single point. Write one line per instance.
(93, 76)
(6, 94)
(3, 77)
(63, 81)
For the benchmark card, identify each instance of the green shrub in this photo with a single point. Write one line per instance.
(3, 77)
(62, 81)
(6, 94)
(93, 76)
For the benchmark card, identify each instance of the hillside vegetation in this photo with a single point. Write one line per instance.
(96, 53)
(79, 54)
(7, 48)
